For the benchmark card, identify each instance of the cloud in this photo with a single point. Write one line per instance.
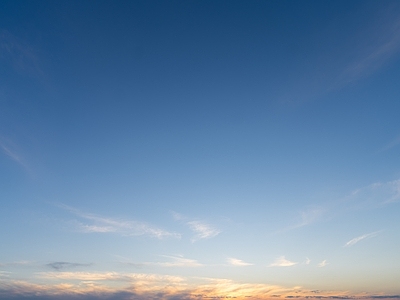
(322, 264)
(101, 224)
(177, 216)
(395, 142)
(106, 276)
(307, 217)
(237, 262)
(17, 263)
(113, 285)
(202, 230)
(382, 48)
(282, 262)
(310, 216)
(19, 55)
(360, 238)
(13, 155)
(10, 149)
(59, 265)
(307, 262)
(4, 273)
(179, 261)
(174, 261)
(378, 193)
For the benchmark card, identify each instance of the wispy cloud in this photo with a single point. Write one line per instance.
(19, 54)
(110, 276)
(177, 216)
(310, 216)
(10, 149)
(307, 262)
(173, 261)
(17, 263)
(282, 262)
(202, 230)
(60, 265)
(360, 238)
(114, 285)
(382, 47)
(4, 273)
(393, 143)
(179, 261)
(238, 262)
(306, 217)
(378, 193)
(99, 224)
(322, 264)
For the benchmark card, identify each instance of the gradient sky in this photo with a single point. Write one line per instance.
(199, 149)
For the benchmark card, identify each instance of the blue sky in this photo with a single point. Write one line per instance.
(194, 149)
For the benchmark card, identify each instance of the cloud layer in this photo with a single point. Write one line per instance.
(138, 286)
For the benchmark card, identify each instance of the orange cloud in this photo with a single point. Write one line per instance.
(136, 286)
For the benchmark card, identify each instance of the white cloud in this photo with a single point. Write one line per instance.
(238, 262)
(179, 261)
(4, 273)
(307, 262)
(360, 238)
(101, 224)
(282, 262)
(202, 230)
(375, 194)
(322, 264)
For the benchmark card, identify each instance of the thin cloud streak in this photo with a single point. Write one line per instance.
(59, 265)
(124, 227)
(386, 46)
(202, 230)
(9, 149)
(307, 217)
(179, 261)
(354, 241)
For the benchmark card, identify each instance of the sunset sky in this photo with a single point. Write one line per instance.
(199, 149)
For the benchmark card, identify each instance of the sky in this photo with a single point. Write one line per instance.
(199, 149)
